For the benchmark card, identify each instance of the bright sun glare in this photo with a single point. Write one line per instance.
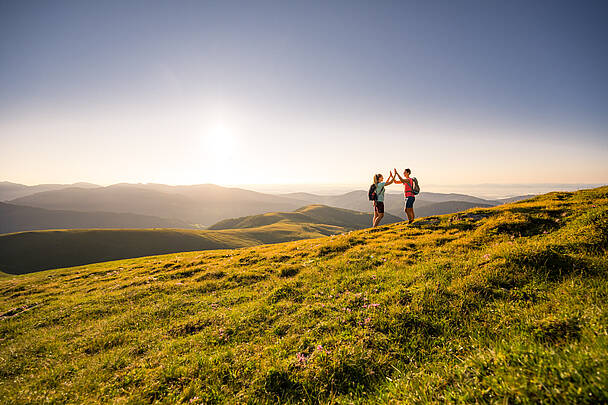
(221, 149)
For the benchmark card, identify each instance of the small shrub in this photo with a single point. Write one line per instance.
(557, 331)
(212, 275)
(280, 258)
(189, 328)
(279, 385)
(289, 271)
(285, 292)
(334, 247)
(249, 260)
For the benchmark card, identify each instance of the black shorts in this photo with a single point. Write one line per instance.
(409, 202)
(379, 207)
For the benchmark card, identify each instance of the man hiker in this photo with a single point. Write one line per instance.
(409, 193)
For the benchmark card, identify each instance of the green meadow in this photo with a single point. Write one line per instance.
(500, 305)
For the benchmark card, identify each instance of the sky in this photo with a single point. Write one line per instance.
(314, 92)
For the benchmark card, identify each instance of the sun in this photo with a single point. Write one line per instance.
(220, 140)
(220, 147)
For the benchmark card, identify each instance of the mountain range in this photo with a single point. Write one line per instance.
(84, 205)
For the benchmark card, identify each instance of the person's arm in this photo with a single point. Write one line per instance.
(400, 178)
(390, 180)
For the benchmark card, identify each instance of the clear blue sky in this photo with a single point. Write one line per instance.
(305, 92)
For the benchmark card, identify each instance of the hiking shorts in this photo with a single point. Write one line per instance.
(409, 202)
(379, 207)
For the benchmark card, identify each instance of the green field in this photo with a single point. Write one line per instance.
(26, 252)
(500, 305)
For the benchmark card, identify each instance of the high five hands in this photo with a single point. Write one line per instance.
(398, 175)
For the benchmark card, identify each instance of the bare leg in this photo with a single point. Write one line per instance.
(378, 219)
(410, 214)
(374, 220)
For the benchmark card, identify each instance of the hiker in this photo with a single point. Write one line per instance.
(376, 194)
(410, 190)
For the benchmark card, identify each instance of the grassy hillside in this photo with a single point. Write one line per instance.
(25, 252)
(501, 305)
(314, 214)
(16, 218)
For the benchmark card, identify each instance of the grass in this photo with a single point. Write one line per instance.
(508, 304)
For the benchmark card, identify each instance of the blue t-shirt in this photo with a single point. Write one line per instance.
(380, 191)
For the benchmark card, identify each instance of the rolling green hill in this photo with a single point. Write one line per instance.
(500, 305)
(25, 252)
(315, 214)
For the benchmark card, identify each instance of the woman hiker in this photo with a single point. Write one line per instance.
(379, 201)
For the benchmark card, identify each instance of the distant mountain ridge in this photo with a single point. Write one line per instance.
(10, 191)
(17, 218)
(197, 205)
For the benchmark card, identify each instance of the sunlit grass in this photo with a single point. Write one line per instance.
(507, 304)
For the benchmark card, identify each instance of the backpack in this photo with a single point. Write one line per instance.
(416, 188)
(371, 194)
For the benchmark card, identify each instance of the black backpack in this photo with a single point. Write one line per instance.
(371, 194)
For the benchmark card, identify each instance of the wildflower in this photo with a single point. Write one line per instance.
(374, 276)
(367, 320)
(301, 358)
(486, 256)
(374, 305)
(319, 347)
